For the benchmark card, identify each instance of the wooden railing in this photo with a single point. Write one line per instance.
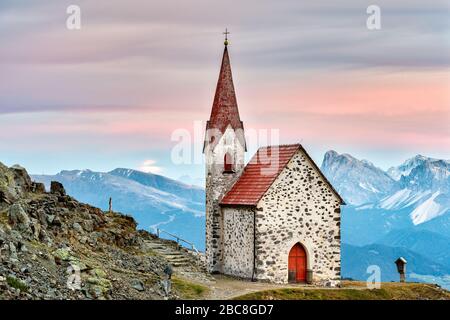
(177, 238)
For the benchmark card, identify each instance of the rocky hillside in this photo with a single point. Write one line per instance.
(53, 247)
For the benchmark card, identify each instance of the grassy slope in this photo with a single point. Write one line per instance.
(355, 291)
(188, 290)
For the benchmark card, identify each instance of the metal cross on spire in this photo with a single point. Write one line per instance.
(226, 33)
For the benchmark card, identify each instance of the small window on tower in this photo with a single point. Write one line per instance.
(228, 163)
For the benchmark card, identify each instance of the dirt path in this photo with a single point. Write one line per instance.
(224, 287)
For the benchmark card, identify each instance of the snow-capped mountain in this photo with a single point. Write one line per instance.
(423, 185)
(405, 169)
(402, 212)
(358, 181)
(153, 200)
(420, 185)
(174, 187)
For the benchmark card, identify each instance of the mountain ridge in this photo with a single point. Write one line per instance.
(420, 183)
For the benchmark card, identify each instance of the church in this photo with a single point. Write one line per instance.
(275, 219)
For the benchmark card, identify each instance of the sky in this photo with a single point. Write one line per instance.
(114, 93)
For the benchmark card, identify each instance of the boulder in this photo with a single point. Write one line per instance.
(137, 285)
(57, 188)
(42, 217)
(7, 195)
(50, 218)
(37, 187)
(62, 254)
(35, 228)
(13, 252)
(56, 221)
(77, 227)
(18, 218)
(44, 238)
(98, 287)
(21, 178)
(88, 225)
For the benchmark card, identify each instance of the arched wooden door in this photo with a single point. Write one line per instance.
(297, 264)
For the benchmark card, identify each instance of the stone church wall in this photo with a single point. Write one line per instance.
(217, 183)
(238, 241)
(298, 207)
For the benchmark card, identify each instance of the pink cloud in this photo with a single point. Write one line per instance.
(390, 111)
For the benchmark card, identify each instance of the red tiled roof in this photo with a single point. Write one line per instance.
(261, 172)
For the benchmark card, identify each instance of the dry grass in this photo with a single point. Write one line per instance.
(4, 217)
(188, 290)
(355, 291)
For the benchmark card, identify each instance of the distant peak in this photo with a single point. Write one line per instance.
(331, 153)
(126, 172)
(76, 171)
(332, 157)
(420, 157)
(417, 160)
(121, 170)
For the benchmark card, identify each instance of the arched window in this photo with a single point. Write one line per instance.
(228, 163)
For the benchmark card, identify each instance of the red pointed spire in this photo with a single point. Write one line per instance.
(225, 109)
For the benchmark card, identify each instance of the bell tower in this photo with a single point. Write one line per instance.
(224, 148)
